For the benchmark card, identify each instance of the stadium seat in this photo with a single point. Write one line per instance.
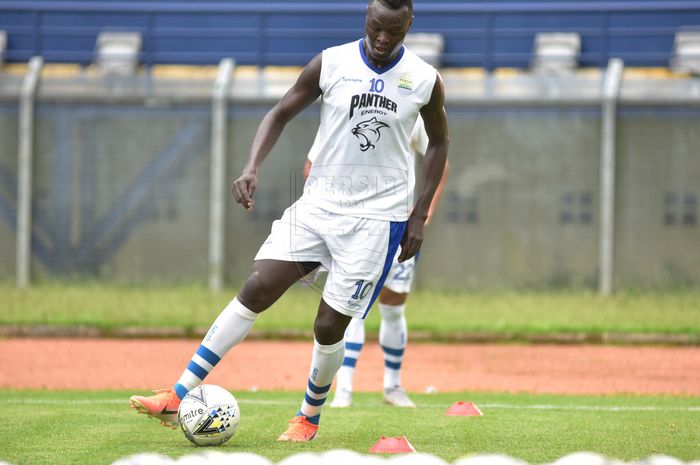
(556, 52)
(428, 46)
(117, 53)
(686, 52)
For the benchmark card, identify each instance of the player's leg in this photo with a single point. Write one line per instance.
(267, 282)
(354, 341)
(393, 330)
(326, 358)
(361, 251)
(290, 251)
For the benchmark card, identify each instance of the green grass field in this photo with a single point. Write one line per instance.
(66, 427)
(439, 315)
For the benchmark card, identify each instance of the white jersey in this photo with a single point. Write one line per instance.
(363, 165)
(419, 138)
(419, 141)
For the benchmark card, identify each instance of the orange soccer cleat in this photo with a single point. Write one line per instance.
(300, 430)
(162, 406)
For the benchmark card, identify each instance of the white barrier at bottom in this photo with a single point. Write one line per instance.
(347, 457)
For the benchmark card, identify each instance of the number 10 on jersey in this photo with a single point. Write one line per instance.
(376, 85)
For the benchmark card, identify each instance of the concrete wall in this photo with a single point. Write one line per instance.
(121, 193)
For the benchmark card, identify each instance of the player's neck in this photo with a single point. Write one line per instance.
(373, 61)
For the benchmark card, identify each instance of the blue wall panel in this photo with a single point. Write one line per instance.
(646, 19)
(486, 35)
(93, 20)
(16, 18)
(191, 20)
(554, 20)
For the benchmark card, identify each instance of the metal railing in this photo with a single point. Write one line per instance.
(603, 91)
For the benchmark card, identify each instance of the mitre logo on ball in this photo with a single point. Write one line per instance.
(209, 415)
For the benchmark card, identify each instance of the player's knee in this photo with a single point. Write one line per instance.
(328, 329)
(258, 292)
(389, 297)
(391, 313)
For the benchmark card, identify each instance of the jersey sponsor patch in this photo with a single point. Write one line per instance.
(405, 85)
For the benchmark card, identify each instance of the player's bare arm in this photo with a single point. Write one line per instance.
(435, 119)
(438, 193)
(302, 94)
(307, 168)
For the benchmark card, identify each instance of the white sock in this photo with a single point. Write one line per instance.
(230, 327)
(354, 340)
(393, 332)
(325, 362)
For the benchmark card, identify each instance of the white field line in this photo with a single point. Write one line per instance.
(604, 408)
(484, 406)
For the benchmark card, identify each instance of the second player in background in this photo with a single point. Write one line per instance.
(393, 329)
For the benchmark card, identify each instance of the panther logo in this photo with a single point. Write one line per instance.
(368, 132)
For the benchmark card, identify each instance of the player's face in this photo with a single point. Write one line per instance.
(385, 31)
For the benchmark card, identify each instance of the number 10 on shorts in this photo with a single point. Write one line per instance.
(362, 289)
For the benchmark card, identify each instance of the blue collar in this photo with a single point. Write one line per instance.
(383, 69)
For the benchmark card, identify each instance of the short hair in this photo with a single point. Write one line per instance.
(396, 4)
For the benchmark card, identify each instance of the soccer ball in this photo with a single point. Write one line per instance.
(208, 415)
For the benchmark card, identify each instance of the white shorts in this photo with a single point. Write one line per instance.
(356, 251)
(400, 276)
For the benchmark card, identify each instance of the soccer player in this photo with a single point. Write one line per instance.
(355, 209)
(393, 329)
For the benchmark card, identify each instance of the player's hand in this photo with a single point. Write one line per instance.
(412, 238)
(243, 189)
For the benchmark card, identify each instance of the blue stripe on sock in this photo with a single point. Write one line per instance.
(393, 365)
(349, 362)
(353, 346)
(314, 402)
(180, 390)
(313, 420)
(208, 355)
(318, 389)
(198, 371)
(394, 352)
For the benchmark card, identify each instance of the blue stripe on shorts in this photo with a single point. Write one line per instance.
(396, 231)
